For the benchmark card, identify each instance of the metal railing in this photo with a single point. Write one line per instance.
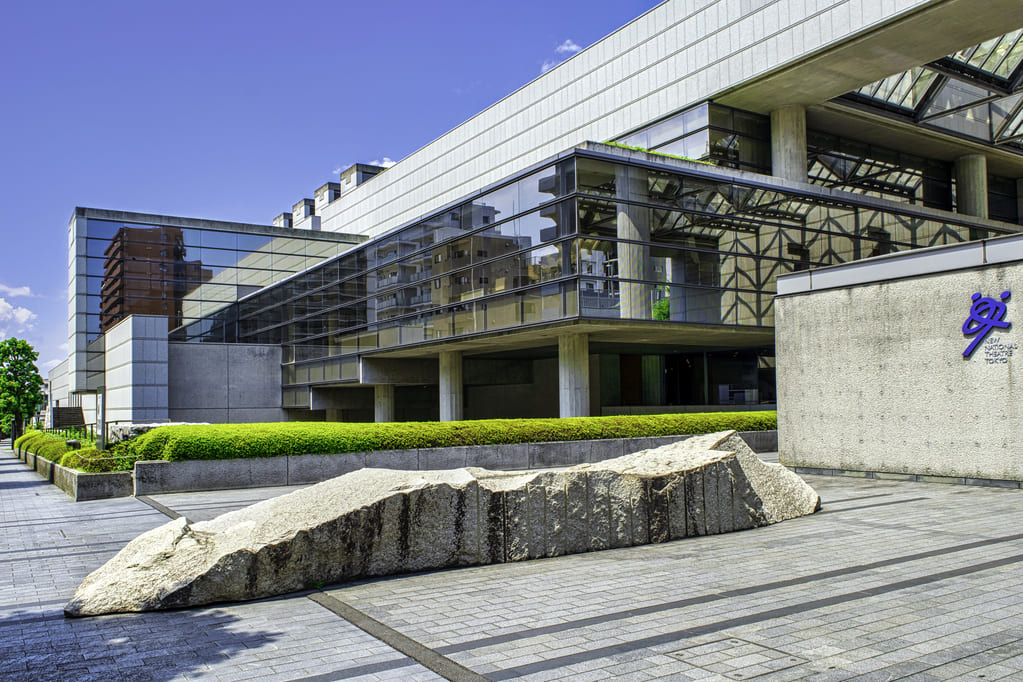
(86, 432)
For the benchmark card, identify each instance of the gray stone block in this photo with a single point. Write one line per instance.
(605, 449)
(442, 458)
(391, 459)
(498, 457)
(558, 454)
(305, 469)
(166, 477)
(761, 441)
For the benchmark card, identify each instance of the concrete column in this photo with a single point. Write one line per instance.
(574, 375)
(633, 259)
(451, 386)
(971, 185)
(383, 403)
(788, 143)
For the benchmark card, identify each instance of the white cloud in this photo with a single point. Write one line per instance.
(386, 163)
(45, 367)
(337, 171)
(14, 319)
(15, 291)
(567, 47)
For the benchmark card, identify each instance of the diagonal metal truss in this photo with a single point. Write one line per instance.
(976, 92)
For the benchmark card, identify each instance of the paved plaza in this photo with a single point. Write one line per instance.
(890, 580)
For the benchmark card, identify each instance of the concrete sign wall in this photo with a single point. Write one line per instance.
(874, 372)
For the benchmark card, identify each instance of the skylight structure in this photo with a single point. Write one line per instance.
(974, 93)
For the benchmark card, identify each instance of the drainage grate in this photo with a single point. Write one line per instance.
(737, 659)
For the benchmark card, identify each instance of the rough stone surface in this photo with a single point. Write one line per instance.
(377, 522)
(121, 432)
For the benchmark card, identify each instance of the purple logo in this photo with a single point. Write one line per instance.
(985, 314)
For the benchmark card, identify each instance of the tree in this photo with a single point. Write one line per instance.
(20, 384)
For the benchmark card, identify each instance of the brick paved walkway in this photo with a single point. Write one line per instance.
(891, 580)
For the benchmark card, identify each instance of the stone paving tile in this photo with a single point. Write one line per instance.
(49, 544)
(891, 580)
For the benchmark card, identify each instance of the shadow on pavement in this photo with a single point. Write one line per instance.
(148, 646)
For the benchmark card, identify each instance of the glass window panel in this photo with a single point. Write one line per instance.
(413, 330)
(219, 240)
(665, 131)
(102, 229)
(696, 118)
(596, 177)
(504, 274)
(388, 334)
(697, 145)
(467, 319)
(504, 311)
(974, 122)
(598, 258)
(252, 242)
(597, 218)
(438, 324)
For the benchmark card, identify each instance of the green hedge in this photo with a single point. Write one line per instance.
(92, 460)
(231, 441)
(45, 445)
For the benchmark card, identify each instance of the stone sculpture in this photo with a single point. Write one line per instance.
(376, 522)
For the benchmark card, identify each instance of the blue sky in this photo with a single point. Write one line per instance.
(234, 110)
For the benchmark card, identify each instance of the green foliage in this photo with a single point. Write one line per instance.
(231, 441)
(41, 444)
(662, 309)
(92, 460)
(673, 156)
(20, 384)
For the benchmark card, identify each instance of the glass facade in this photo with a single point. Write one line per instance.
(185, 273)
(712, 133)
(588, 238)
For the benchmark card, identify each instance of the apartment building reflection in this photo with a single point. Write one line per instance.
(146, 272)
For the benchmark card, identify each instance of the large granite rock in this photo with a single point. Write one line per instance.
(376, 522)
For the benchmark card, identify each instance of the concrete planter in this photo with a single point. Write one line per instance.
(81, 486)
(157, 477)
(151, 478)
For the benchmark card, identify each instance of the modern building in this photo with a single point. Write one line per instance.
(604, 240)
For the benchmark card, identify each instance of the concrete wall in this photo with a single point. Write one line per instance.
(136, 369)
(871, 373)
(225, 383)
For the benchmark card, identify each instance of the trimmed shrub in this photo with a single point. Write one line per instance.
(92, 460)
(45, 445)
(236, 441)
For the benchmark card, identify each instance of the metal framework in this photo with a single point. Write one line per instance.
(975, 93)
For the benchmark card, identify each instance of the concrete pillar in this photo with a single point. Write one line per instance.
(633, 259)
(451, 386)
(971, 185)
(574, 375)
(788, 143)
(383, 403)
